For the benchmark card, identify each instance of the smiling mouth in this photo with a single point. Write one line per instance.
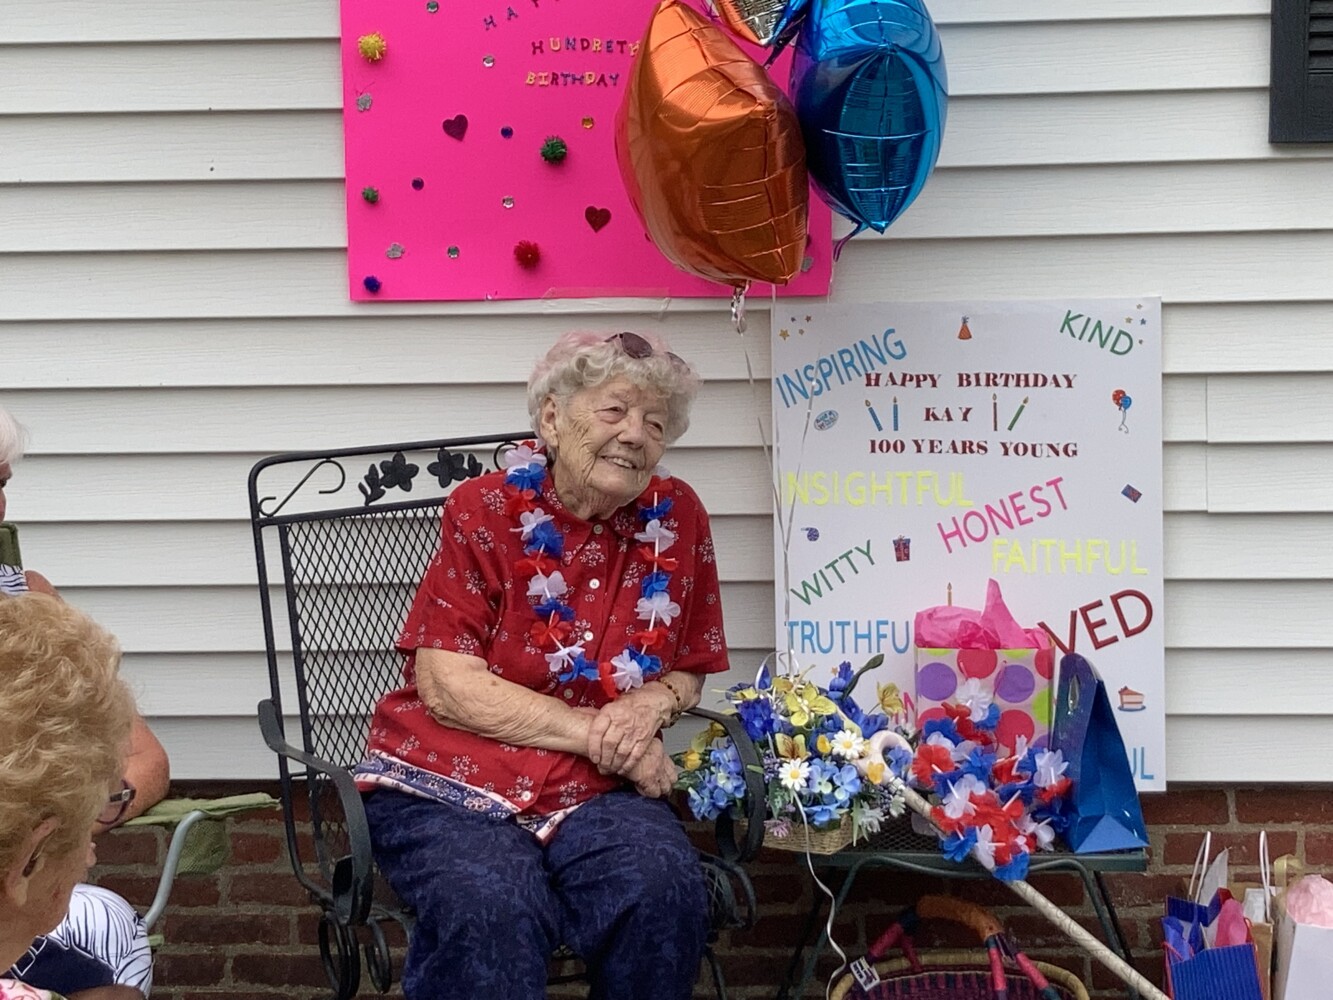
(620, 463)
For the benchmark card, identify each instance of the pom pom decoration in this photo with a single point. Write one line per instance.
(870, 87)
(554, 149)
(372, 47)
(372, 284)
(711, 154)
(527, 253)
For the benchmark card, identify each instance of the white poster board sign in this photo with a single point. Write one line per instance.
(924, 448)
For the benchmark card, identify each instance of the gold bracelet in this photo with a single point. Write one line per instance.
(679, 710)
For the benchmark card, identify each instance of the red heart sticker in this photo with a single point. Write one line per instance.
(597, 217)
(456, 127)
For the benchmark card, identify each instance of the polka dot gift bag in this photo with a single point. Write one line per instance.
(982, 667)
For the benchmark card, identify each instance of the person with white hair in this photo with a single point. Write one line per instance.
(100, 949)
(515, 785)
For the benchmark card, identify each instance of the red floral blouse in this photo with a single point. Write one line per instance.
(473, 600)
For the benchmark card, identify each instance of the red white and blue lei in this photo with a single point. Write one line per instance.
(544, 545)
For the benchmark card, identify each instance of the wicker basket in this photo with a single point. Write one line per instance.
(955, 975)
(806, 838)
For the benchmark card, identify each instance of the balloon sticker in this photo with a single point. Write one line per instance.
(1123, 401)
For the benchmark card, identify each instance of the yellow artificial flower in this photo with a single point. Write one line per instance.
(875, 772)
(791, 747)
(692, 759)
(823, 745)
(890, 699)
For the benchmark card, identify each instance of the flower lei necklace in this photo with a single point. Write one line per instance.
(544, 544)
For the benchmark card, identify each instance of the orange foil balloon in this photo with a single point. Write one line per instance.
(711, 153)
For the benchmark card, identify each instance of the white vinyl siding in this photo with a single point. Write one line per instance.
(175, 307)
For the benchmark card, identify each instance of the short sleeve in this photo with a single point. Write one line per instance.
(703, 644)
(457, 603)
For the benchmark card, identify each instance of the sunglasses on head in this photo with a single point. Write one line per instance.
(638, 348)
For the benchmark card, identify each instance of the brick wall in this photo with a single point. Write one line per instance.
(248, 931)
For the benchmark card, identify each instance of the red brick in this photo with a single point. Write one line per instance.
(1183, 848)
(188, 968)
(229, 927)
(256, 848)
(1186, 807)
(279, 969)
(140, 890)
(1304, 804)
(130, 846)
(1149, 965)
(272, 889)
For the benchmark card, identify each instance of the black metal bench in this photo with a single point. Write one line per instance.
(350, 532)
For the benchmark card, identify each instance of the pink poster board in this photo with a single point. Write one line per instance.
(447, 130)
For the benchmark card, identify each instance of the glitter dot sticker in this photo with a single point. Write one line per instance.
(433, 7)
(807, 263)
(488, 61)
(453, 253)
(364, 101)
(507, 201)
(370, 194)
(506, 132)
(395, 251)
(417, 184)
(588, 122)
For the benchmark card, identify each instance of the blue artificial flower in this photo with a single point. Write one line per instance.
(980, 763)
(1015, 870)
(1053, 813)
(991, 720)
(841, 678)
(554, 606)
(943, 779)
(702, 805)
(870, 722)
(846, 783)
(546, 537)
(1026, 790)
(945, 726)
(654, 583)
(957, 847)
(822, 813)
(656, 512)
(765, 680)
(649, 665)
(578, 666)
(756, 716)
(527, 477)
(726, 759)
(899, 761)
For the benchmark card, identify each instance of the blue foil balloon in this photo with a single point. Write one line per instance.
(871, 92)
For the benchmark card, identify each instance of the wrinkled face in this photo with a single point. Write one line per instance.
(607, 441)
(39, 899)
(5, 473)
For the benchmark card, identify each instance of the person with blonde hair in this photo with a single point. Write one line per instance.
(100, 950)
(67, 725)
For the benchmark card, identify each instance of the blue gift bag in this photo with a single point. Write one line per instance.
(1103, 803)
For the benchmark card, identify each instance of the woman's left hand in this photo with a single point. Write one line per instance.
(623, 729)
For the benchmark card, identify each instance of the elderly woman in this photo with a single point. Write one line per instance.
(67, 722)
(516, 782)
(100, 950)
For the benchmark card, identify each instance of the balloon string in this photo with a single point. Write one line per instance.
(837, 247)
(738, 308)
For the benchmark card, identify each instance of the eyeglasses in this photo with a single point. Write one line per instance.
(117, 803)
(638, 348)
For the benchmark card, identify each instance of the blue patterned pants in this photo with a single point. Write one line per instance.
(619, 883)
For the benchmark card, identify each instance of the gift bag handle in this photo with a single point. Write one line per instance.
(1200, 865)
(1266, 876)
(982, 922)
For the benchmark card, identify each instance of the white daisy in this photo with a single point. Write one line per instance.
(794, 774)
(848, 745)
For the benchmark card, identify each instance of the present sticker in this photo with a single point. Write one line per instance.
(902, 549)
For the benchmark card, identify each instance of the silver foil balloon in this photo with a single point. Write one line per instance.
(759, 21)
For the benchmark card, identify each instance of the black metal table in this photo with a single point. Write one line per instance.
(898, 846)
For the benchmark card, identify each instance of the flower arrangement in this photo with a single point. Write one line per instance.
(995, 809)
(824, 759)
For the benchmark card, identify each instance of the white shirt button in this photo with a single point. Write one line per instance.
(524, 796)
(597, 529)
(569, 693)
(594, 584)
(587, 636)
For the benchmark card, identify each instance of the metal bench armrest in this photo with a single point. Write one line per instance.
(756, 792)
